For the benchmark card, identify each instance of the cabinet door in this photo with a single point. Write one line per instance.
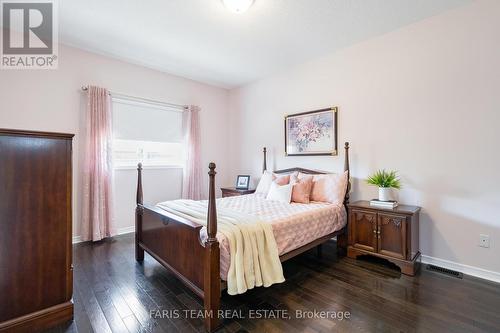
(364, 230)
(392, 235)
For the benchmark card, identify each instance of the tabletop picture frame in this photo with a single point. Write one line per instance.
(242, 182)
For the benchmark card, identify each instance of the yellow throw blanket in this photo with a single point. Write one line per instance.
(255, 258)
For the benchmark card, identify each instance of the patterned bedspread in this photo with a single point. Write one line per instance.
(294, 225)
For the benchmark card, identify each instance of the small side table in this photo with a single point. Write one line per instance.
(233, 192)
(391, 234)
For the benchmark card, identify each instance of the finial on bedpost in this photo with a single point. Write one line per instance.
(264, 165)
(212, 211)
(346, 168)
(138, 198)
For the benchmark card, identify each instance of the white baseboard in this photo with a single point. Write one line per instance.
(126, 230)
(120, 231)
(466, 269)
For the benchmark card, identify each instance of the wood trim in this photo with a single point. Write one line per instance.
(69, 217)
(40, 320)
(401, 209)
(40, 134)
(303, 170)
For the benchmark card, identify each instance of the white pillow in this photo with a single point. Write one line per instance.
(264, 183)
(280, 193)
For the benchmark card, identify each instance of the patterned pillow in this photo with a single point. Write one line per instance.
(301, 191)
(328, 188)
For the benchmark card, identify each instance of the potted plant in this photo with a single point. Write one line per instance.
(385, 180)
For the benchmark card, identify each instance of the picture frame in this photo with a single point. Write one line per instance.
(312, 133)
(242, 182)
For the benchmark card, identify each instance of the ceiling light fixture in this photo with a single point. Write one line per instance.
(238, 6)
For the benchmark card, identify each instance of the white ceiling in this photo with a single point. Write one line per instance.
(201, 40)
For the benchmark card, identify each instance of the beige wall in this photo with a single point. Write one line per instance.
(52, 101)
(423, 100)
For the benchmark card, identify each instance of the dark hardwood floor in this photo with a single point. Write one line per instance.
(115, 294)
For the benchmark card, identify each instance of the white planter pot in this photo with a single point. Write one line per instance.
(384, 193)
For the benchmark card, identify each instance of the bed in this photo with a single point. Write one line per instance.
(199, 256)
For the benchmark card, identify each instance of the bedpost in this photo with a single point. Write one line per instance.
(212, 284)
(212, 209)
(264, 165)
(343, 238)
(139, 252)
(346, 168)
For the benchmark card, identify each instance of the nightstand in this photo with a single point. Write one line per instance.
(391, 234)
(233, 192)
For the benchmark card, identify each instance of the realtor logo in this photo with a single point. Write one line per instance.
(29, 34)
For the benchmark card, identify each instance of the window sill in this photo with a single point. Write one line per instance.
(153, 167)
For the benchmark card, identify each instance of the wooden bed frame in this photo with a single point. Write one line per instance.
(175, 243)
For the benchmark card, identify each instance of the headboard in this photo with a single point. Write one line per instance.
(317, 172)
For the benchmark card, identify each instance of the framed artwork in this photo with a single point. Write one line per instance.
(311, 133)
(242, 182)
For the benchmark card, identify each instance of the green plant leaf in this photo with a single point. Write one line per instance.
(383, 178)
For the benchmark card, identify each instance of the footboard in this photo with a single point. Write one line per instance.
(175, 243)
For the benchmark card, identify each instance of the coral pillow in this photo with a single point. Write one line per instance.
(281, 180)
(328, 188)
(301, 191)
(280, 193)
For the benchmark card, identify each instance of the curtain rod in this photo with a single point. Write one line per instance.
(140, 99)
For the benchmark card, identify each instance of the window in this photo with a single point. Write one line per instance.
(146, 133)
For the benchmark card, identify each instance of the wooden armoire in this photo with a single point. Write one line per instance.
(36, 279)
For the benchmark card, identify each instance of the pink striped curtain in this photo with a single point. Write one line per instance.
(97, 220)
(192, 181)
